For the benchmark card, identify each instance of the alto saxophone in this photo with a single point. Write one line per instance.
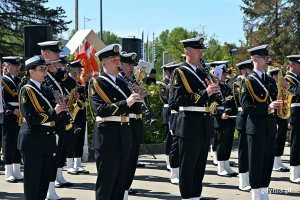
(74, 104)
(285, 111)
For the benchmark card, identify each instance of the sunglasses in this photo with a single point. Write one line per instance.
(42, 68)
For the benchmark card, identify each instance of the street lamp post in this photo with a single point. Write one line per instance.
(164, 52)
(85, 19)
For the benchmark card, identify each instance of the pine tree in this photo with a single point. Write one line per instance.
(274, 22)
(15, 14)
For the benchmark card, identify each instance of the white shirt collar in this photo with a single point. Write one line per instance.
(38, 84)
(193, 66)
(112, 77)
(259, 73)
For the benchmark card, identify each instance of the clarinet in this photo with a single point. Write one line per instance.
(219, 95)
(59, 99)
(134, 87)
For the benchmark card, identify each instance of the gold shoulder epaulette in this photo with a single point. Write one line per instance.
(253, 95)
(34, 100)
(100, 92)
(184, 80)
(7, 88)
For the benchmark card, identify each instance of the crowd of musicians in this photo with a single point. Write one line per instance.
(43, 120)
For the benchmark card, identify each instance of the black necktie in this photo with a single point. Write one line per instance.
(263, 77)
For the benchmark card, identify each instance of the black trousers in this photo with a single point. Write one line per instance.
(169, 139)
(224, 145)
(174, 153)
(36, 175)
(10, 138)
(243, 152)
(261, 158)
(112, 168)
(214, 141)
(192, 162)
(133, 159)
(60, 156)
(280, 136)
(295, 144)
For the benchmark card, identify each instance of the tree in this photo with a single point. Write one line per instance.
(15, 14)
(274, 22)
(110, 38)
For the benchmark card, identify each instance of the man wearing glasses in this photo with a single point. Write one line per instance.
(10, 82)
(258, 100)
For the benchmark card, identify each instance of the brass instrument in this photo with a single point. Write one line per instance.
(74, 104)
(285, 111)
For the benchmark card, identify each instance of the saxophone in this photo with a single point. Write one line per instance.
(285, 96)
(73, 104)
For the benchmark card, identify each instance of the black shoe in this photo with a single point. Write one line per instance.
(20, 180)
(140, 164)
(132, 191)
(63, 185)
(11, 181)
(282, 169)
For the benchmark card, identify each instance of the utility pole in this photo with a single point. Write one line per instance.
(101, 28)
(76, 16)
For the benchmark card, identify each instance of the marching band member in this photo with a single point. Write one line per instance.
(10, 83)
(56, 78)
(112, 101)
(224, 121)
(258, 100)
(245, 68)
(164, 86)
(37, 138)
(292, 76)
(194, 123)
(76, 141)
(164, 94)
(128, 61)
(282, 128)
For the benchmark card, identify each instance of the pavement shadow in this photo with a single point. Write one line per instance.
(6, 195)
(152, 178)
(83, 186)
(156, 195)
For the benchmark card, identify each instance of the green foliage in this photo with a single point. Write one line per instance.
(15, 14)
(156, 132)
(274, 22)
(109, 38)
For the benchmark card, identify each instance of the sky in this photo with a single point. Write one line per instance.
(219, 18)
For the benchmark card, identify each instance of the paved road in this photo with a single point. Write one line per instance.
(153, 183)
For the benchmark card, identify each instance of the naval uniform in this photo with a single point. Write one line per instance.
(112, 135)
(37, 138)
(294, 81)
(241, 120)
(194, 127)
(10, 127)
(256, 95)
(137, 130)
(224, 127)
(164, 95)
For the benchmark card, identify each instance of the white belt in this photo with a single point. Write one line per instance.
(121, 119)
(135, 116)
(220, 108)
(166, 105)
(240, 109)
(233, 116)
(13, 103)
(194, 109)
(51, 124)
(173, 112)
(295, 105)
